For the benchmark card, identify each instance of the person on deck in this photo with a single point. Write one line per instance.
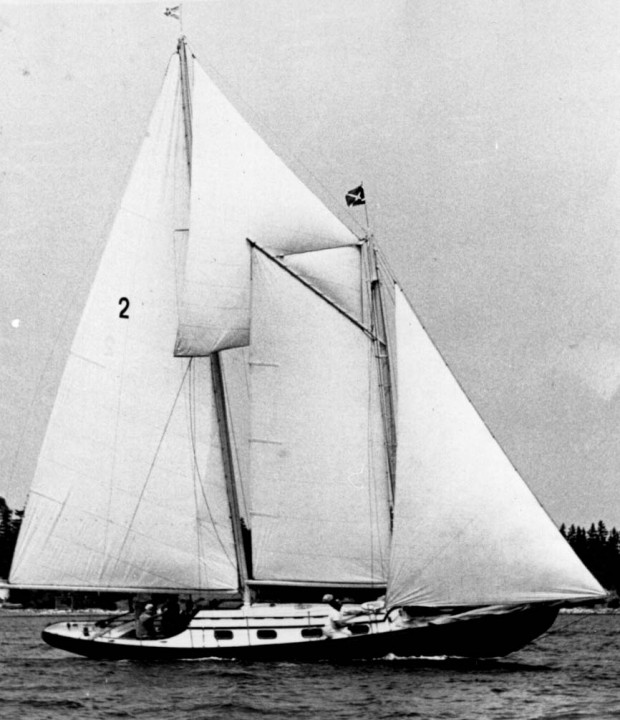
(145, 624)
(335, 627)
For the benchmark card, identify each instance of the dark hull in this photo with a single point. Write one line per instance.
(487, 636)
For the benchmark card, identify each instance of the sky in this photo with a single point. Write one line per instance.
(486, 134)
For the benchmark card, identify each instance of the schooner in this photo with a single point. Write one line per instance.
(246, 367)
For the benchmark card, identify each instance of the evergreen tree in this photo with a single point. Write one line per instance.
(599, 550)
(9, 528)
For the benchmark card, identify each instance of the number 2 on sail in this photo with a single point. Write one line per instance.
(124, 303)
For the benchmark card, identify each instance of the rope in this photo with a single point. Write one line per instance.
(154, 460)
(200, 479)
(579, 618)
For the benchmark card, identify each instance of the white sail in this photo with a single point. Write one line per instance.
(467, 530)
(317, 452)
(240, 189)
(129, 490)
(336, 273)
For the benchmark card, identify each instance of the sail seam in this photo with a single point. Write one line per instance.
(88, 360)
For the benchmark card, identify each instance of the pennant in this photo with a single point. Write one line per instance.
(173, 12)
(356, 196)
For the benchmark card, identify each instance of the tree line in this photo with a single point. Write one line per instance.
(10, 520)
(599, 550)
(597, 547)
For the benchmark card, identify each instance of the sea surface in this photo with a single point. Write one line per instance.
(571, 673)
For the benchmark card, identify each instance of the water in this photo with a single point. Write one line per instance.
(569, 674)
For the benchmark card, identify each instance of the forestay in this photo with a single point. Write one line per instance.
(467, 530)
(317, 452)
(129, 490)
(240, 189)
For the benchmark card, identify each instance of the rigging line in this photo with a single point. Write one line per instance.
(191, 414)
(372, 370)
(565, 625)
(383, 483)
(385, 478)
(389, 273)
(365, 281)
(558, 629)
(204, 496)
(372, 509)
(311, 287)
(154, 460)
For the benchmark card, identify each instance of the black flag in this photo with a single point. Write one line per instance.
(356, 196)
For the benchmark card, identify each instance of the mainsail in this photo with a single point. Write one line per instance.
(320, 511)
(467, 530)
(240, 189)
(129, 491)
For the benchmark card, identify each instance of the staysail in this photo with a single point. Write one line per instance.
(320, 511)
(467, 530)
(337, 273)
(129, 491)
(240, 189)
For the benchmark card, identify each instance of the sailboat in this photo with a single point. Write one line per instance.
(252, 416)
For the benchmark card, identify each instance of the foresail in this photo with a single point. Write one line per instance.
(240, 189)
(467, 530)
(317, 452)
(129, 489)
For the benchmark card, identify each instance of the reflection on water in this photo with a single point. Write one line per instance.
(571, 673)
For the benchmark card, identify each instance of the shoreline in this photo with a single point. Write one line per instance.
(50, 612)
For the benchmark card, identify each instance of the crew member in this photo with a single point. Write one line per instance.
(145, 624)
(335, 626)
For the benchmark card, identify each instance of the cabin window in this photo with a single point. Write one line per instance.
(359, 629)
(312, 632)
(223, 634)
(266, 634)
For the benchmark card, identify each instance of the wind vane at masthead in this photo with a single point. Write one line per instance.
(175, 12)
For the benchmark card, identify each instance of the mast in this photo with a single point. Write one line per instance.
(216, 363)
(380, 341)
(187, 99)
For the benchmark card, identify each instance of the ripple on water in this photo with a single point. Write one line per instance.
(570, 673)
